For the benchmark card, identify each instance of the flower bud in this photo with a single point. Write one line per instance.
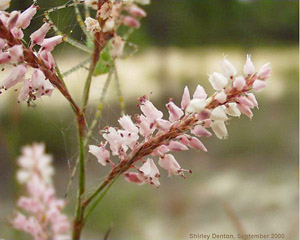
(264, 72)
(50, 43)
(200, 131)
(245, 101)
(92, 25)
(245, 110)
(218, 81)
(105, 10)
(219, 129)
(16, 53)
(249, 68)
(26, 17)
(228, 69)
(218, 114)
(259, 85)
(185, 98)
(136, 11)
(239, 83)
(221, 97)
(175, 113)
(131, 22)
(169, 163)
(16, 75)
(4, 57)
(196, 105)
(134, 178)
(177, 146)
(91, 3)
(200, 93)
(13, 18)
(196, 143)
(101, 153)
(118, 47)
(39, 35)
(232, 110)
(109, 25)
(252, 98)
(127, 124)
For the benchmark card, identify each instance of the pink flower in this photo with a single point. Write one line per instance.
(47, 59)
(249, 68)
(228, 69)
(39, 35)
(136, 11)
(245, 110)
(201, 131)
(26, 16)
(163, 125)
(239, 83)
(4, 58)
(16, 75)
(185, 98)
(49, 44)
(118, 47)
(131, 22)
(16, 53)
(150, 111)
(169, 163)
(175, 113)
(177, 146)
(219, 129)
(150, 172)
(264, 72)
(92, 25)
(232, 110)
(13, 18)
(4, 4)
(218, 81)
(134, 178)
(221, 96)
(259, 85)
(127, 124)
(200, 93)
(218, 114)
(196, 143)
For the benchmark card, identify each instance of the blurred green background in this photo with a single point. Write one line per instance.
(250, 180)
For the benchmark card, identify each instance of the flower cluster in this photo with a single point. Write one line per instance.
(13, 51)
(148, 134)
(44, 219)
(113, 14)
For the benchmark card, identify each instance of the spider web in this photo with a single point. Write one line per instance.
(65, 20)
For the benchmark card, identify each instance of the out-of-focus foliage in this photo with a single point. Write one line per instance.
(197, 22)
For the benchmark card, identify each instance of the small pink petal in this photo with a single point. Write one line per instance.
(201, 131)
(185, 98)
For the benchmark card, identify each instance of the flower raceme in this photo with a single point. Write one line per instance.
(44, 219)
(110, 16)
(149, 135)
(14, 51)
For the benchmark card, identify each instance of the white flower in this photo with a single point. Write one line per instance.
(219, 129)
(249, 68)
(228, 69)
(92, 25)
(92, 3)
(4, 4)
(233, 110)
(196, 105)
(218, 114)
(218, 81)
